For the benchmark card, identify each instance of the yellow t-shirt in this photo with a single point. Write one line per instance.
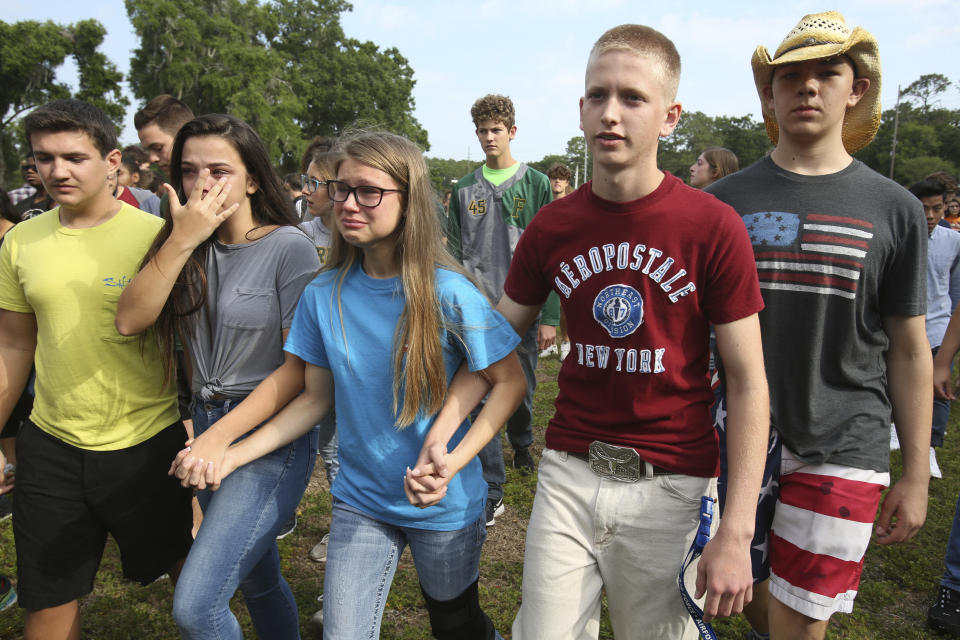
(94, 389)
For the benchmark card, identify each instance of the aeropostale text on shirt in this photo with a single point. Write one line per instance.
(623, 257)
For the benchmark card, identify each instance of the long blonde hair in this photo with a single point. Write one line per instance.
(418, 367)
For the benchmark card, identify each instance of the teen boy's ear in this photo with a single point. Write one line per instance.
(766, 92)
(859, 89)
(113, 162)
(671, 119)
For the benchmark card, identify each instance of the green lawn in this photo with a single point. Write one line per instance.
(898, 584)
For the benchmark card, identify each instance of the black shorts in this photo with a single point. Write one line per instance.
(19, 415)
(68, 500)
(184, 392)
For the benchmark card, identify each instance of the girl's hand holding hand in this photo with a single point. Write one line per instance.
(200, 460)
(426, 483)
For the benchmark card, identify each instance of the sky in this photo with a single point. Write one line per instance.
(535, 52)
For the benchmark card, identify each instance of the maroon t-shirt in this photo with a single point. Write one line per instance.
(640, 282)
(129, 198)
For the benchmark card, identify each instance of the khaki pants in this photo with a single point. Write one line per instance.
(588, 533)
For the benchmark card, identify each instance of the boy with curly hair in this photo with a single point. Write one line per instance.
(489, 209)
(559, 176)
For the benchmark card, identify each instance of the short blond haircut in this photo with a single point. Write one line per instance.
(649, 43)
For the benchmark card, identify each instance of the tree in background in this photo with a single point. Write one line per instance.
(925, 89)
(444, 172)
(30, 54)
(696, 131)
(928, 136)
(285, 67)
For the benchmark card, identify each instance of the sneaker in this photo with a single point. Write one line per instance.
(549, 351)
(523, 461)
(494, 509)
(8, 595)
(564, 350)
(316, 620)
(319, 551)
(894, 440)
(287, 527)
(6, 507)
(934, 467)
(944, 615)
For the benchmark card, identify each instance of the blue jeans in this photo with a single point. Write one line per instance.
(327, 445)
(520, 424)
(951, 562)
(236, 545)
(941, 414)
(362, 560)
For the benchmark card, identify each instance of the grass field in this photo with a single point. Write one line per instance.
(898, 584)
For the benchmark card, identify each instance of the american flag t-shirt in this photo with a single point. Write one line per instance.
(813, 253)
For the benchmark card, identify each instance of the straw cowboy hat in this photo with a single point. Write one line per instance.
(825, 35)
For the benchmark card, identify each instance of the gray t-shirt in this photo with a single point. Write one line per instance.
(237, 338)
(835, 254)
(321, 237)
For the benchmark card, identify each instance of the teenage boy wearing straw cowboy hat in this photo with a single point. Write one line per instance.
(841, 256)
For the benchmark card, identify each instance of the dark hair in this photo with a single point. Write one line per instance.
(722, 160)
(949, 182)
(7, 210)
(320, 150)
(293, 181)
(166, 112)
(28, 156)
(73, 115)
(926, 188)
(560, 171)
(138, 153)
(130, 162)
(149, 180)
(269, 205)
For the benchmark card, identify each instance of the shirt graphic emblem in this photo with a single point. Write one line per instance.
(477, 207)
(619, 309)
(814, 253)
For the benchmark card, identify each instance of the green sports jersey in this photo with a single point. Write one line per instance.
(485, 223)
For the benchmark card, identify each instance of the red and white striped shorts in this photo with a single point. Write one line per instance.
(821, 528)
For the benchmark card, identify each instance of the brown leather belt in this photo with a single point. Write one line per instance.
(618, 463)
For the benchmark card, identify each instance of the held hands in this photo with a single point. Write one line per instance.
(426, 483)
(724, 574)
(203, 213)
(201, 464)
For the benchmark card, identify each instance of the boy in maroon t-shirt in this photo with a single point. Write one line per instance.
(631, 449)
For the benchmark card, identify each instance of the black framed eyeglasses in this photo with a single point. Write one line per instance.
(310, 185)
(365, 195)
(28, 167)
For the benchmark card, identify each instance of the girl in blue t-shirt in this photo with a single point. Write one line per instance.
(382, 330)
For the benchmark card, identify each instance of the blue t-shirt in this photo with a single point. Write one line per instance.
(374, 453)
